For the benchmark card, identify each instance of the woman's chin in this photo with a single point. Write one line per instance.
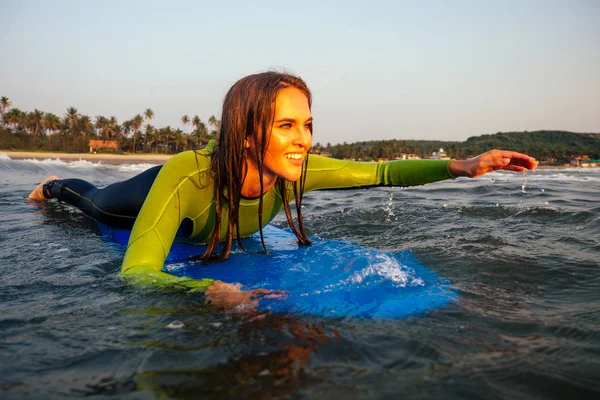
(291, 177)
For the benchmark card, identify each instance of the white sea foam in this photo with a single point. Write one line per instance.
(384, 266)
(134, 167)
(569, 174)
(83, 164)
(4, 156)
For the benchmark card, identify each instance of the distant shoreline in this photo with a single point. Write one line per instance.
(118, 159)
(113, 159)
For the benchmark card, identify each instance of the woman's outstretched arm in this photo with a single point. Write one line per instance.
(329, 173)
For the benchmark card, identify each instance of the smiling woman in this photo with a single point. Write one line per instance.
(234, 188)
(289, 142)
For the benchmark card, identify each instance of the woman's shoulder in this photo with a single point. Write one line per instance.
(190, 161)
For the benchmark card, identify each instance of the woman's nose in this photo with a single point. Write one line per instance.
(303, 137)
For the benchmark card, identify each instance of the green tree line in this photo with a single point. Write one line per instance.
(557, 147)
(40, 131)
(37, 130)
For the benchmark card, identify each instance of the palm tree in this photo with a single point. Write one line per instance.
(127, 127)
(34, 121)
(199, 130)
(186, 140)
(136, 125)
(216, 124)
(150, 135)
(103, 126)
(185, 120)
(148, 115)
(179, 137)
(71, 117)
(51, 124)
(85, 125)
(166, 132)
(117, 131)
(5, 104)
(15, 118)
(115, 128)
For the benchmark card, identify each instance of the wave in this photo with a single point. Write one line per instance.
(541, 175)
(72, 165)
(570, 174)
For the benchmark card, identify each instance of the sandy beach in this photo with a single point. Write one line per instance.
(104, 158)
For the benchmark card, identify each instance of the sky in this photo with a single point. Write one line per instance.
(430, 70)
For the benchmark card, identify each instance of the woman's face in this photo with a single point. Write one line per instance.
(290, 139)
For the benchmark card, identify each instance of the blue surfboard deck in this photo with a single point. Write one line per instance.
(330, 278)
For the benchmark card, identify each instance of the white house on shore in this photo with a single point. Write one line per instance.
(439, 155)
(410, 156)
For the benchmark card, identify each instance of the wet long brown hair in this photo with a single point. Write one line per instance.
(248, 112)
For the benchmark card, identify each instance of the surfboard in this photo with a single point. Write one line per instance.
(330, 278)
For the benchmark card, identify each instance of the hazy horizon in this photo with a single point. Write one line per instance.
(382, 70)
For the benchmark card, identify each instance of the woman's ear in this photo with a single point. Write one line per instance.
(246, 143)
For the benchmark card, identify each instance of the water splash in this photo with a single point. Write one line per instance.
(524, 185)
(384, 267)
(176, 325)
(389, 210)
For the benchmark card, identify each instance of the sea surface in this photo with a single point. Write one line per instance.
(522, 253)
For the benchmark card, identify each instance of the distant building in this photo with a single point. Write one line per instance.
(97, 145)
(439, 155)
(405, 156)
(589, 163)
(584, 161)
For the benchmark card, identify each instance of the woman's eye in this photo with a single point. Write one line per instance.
(286, 126)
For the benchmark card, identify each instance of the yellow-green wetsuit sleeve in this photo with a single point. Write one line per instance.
(178, 192)
(329, 173)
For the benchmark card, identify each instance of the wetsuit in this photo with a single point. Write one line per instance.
(181, 198)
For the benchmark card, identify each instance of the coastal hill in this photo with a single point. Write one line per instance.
(549, 146)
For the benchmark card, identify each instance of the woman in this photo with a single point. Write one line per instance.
(233, 189)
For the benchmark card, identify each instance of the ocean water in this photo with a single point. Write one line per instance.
(522, 252)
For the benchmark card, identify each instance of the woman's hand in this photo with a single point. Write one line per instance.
(491, 161)
(231, 296)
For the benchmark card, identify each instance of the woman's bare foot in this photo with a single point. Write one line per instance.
(38, 192)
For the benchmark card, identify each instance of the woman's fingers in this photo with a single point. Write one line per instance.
(268, 294)
(520, 159)
(515, 168)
